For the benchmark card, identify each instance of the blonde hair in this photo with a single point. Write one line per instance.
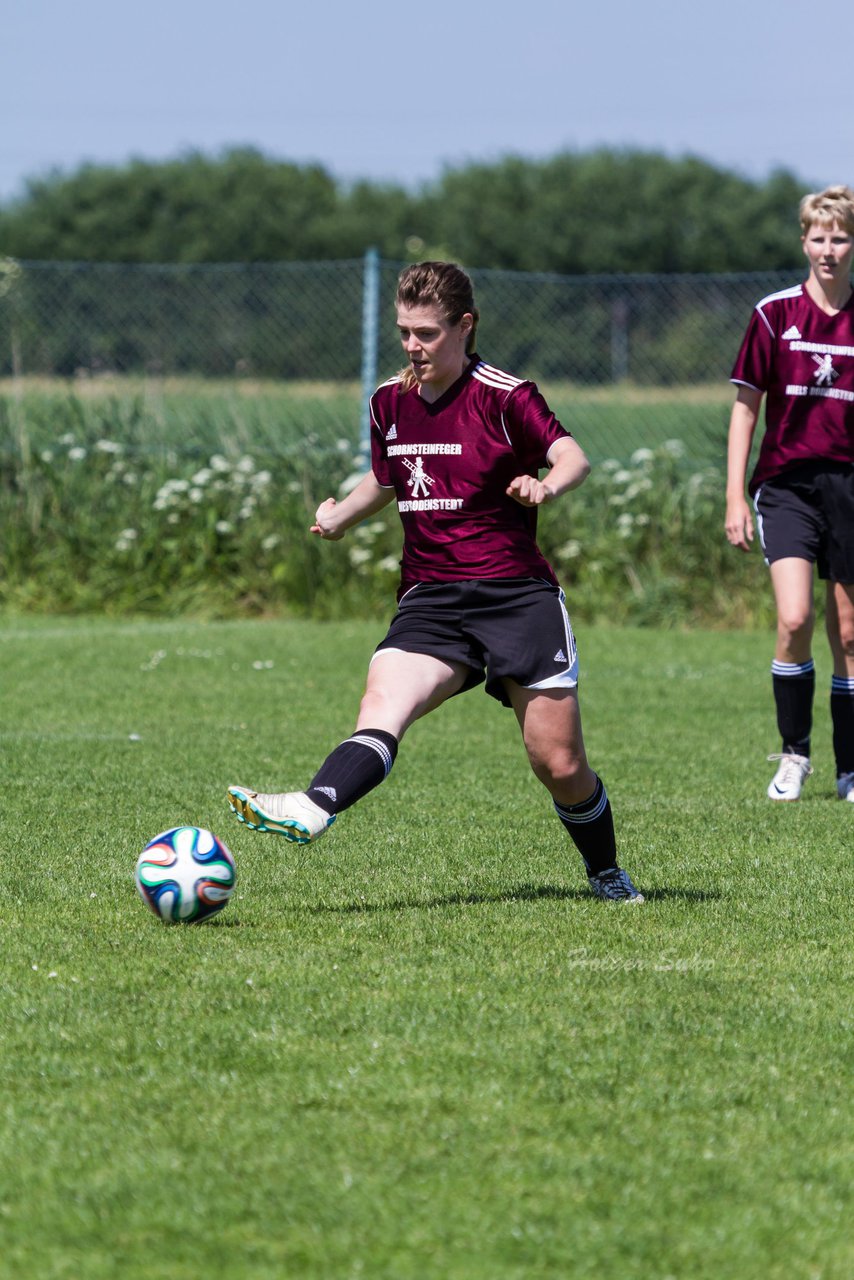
(442, 285)
(834, 204)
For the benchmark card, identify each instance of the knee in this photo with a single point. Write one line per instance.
(846, 637)
(562, 771)
(795, 622)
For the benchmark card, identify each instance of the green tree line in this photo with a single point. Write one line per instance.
(604, 211)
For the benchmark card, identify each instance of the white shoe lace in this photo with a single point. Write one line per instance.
(793, 769)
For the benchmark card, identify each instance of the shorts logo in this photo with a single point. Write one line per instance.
(560, 656)
(420, 482)
(825, 372)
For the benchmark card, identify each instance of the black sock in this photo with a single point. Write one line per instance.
(842, 717)
(794, 686)
(354, 768)
(591, 826)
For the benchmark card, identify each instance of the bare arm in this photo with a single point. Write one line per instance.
(742, 424)
(334, 518)
(568, 469)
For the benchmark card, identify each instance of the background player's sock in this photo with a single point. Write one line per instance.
(794, 687)
(842, 718)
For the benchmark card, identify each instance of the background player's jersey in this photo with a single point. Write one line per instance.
(803, 359)
(450, 463)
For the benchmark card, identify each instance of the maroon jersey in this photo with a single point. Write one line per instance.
(449, 464)
(803, 359)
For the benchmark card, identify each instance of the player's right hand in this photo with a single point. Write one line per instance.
(739, 524)
(325, 523)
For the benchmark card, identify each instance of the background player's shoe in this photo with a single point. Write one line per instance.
(289, 813)
(789, 778)
(614, 885)
(845, 787)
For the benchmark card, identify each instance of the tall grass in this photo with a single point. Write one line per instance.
(164, 498)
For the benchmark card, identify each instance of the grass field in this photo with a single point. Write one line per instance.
(420, 1051)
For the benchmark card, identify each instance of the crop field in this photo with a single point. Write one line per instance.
(419, 1050)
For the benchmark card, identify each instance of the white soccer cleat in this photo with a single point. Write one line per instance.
(288, 813)
(614, 885)
(845, 786)
(790, 777)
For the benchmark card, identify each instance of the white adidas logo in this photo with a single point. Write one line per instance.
(391, 434)
(792, 334)
(560, 656)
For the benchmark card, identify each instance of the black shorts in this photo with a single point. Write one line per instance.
(501, 628)
(808, 512)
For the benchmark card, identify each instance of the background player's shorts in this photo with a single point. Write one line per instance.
(499, 627)
(808, 512)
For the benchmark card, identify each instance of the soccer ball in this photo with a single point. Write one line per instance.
(185, 875)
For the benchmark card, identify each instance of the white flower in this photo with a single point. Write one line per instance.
(622, 476)
(46, 455)
(196, 494)
(108, 446)
(359, 555)
(203, 476)
(642, 455)
(246, 465)
(676, 448)
(351, 481)
(68, 438)
(261, 479)
(223, 526)
(77, 454)
(389, 564)
(272, 540)
(610, 464)
(372, 530)
(570, 549)
(130, 534)
(219, 463)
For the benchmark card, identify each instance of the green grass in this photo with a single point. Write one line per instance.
(420, 1050)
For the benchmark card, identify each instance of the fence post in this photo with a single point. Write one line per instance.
(370, 339)
(619, 340)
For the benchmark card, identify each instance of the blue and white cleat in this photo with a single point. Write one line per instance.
(614, 885)
(289, 813)
(845, 786)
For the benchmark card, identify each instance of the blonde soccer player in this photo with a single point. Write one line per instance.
(798, 353)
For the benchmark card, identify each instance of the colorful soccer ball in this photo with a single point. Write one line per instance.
(185, 875)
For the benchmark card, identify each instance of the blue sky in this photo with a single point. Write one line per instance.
(397, 92)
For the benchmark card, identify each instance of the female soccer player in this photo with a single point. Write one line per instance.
(799, 352)
(458, 445)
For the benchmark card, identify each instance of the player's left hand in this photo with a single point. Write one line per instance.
(529, 491)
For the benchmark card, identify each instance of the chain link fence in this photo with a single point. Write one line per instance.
(625, 360)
